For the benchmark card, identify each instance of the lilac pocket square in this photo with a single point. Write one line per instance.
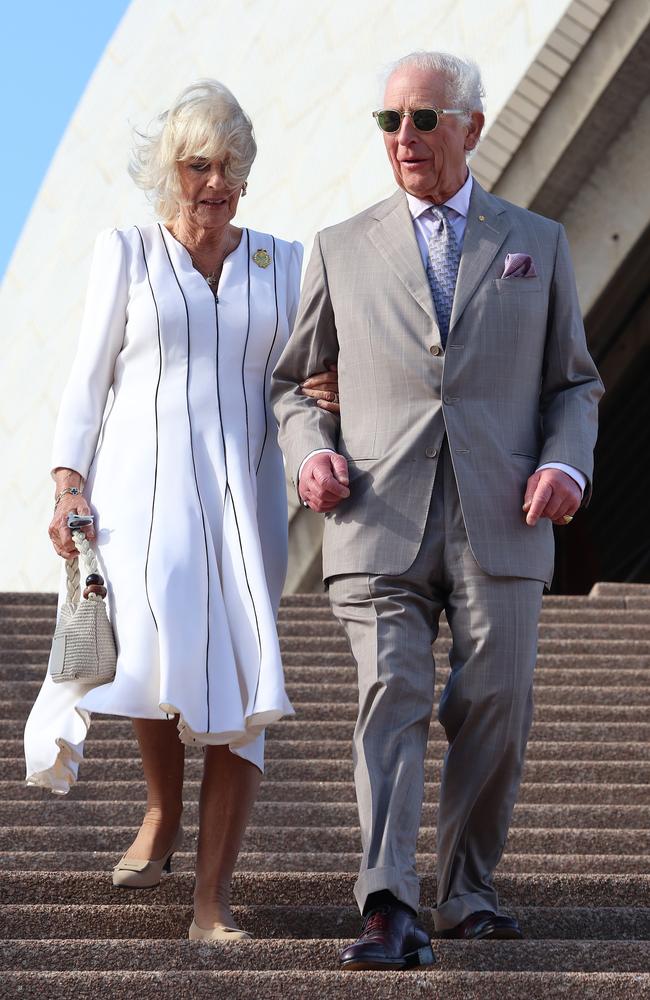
(519, 265)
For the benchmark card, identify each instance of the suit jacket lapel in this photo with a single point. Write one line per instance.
(393, 237)
(487, 228)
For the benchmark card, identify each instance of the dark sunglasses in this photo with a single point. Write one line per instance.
(424, 119)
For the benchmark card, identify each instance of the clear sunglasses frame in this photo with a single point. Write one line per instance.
(403, 114)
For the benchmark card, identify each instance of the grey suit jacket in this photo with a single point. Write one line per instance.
(514, 389)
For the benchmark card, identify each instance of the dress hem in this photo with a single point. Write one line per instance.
(62, 774)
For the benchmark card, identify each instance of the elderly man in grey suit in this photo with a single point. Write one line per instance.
(468, 413)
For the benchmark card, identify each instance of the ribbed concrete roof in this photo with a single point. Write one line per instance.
(536, 88)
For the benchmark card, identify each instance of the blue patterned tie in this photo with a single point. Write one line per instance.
(442, 270)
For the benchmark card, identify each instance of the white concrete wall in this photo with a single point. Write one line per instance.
(308, 74)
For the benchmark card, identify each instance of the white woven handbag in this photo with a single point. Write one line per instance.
(83, 647)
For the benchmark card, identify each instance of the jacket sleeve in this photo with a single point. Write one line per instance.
(571, 386)
(102, 335)
(304, 426)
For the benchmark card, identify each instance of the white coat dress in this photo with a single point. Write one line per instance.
(166, 415)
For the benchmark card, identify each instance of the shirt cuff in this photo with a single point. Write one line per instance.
(577, 476)
(317, 451)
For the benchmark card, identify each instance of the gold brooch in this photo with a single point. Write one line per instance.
(262, 258)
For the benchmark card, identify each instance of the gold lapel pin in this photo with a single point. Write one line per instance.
(262, 258)
(481, 218)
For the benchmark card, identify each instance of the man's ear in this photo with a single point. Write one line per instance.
(474, 130)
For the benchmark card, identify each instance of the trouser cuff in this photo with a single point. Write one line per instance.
(454, 910)
(406, 888)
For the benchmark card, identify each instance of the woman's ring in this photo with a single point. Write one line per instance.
(567, 518)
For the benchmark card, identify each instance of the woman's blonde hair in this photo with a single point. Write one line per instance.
(205, 122)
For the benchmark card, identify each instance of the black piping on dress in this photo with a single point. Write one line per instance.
(196, 479)
(266, 367)
(155, 474)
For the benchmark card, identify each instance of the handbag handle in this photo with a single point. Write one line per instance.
(73, 579)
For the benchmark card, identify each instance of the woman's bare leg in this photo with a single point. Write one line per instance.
(228, 792)
(163, 758)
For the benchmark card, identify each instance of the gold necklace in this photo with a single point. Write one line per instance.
(212, 277)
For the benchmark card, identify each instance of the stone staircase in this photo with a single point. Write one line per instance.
(576, 871)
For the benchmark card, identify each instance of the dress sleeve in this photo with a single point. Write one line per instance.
(102, 335)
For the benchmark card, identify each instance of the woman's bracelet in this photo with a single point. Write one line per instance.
(72, 490)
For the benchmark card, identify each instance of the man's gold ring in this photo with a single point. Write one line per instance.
(567, 518)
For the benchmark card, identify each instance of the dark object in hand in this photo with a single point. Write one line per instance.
(95, 578)
(95, 588)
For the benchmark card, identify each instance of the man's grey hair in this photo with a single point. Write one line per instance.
(464, 85)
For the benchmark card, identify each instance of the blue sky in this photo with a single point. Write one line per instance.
(48, 51)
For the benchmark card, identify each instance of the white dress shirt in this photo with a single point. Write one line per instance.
(424, 226)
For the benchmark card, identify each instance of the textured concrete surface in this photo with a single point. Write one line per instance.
(297, 838)
(143, 920)
(300, 889)
(297, 986)
(479, 956)
(576, 870)
(329, 861)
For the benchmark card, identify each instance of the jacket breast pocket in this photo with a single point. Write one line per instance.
(517, 286)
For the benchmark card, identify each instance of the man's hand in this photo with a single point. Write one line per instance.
(551, 493)
(324, 481)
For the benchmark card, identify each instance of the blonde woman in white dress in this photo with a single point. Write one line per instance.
(166, 435)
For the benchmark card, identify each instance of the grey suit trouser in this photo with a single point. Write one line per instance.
(485, 709)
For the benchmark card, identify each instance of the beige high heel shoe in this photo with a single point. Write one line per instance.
(131, 873)
(217, 933)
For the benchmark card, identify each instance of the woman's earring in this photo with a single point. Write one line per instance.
(244, 188)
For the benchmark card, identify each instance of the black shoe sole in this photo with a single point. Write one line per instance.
(416, 959)
(498, 934)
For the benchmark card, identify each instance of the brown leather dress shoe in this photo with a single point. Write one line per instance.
(484, 924)
(391, 938)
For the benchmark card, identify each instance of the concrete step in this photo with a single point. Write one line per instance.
(17, 697)
(114, 839)
(333, 791)
(337, 714)
(548, 673)
(607, 589)
(325, 629)
(290, 985)
(610, 749)
(583, 644)
(343, 689)
(603, 595)
(594, 612)
(300, 889)
(326, 861)
(290, 729)
(317, 954)
(576, 870)
(98, 772)
(19, 663)
(322, 713)
(22, 681)
(141, 920)
(309, 815)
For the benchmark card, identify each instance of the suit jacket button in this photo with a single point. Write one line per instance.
(431, 452)
(436, 349)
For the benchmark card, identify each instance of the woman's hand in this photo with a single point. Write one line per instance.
(59, 532)
(324, 388)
